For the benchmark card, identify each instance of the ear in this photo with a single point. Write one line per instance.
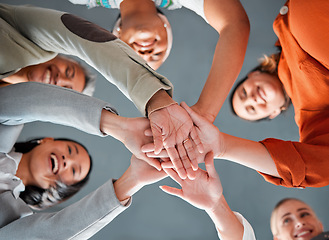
(47, 139)
(276, 238)
(275, 113)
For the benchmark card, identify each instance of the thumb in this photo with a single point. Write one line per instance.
(196, 118)
(209, 163)
(172, 191)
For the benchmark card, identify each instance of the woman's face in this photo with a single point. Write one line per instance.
(296, 220)
(147, 35)
(54, 160)
(259, 96)
(59, 71)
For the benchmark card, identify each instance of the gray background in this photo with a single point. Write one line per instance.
(153, 214)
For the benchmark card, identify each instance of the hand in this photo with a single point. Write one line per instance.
(203, 192)
(170, 127)
(143, 173)
(210, 136)
(135, 177)
(134, 138)
(130, 131)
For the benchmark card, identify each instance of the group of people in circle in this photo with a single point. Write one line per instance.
(38, 79)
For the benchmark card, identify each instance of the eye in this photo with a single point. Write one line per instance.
(70, 72)
(304, 214)
(157, 56)
(251, 109)
(243, 94)
(69, 149)
(286, 221)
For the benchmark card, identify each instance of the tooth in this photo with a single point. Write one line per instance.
(55, 169)
(47, 77)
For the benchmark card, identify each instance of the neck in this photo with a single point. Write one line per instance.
(130, 8)
(23, 170)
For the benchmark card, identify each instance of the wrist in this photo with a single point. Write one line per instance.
(126, 186)
(113, 125)
(159, 100)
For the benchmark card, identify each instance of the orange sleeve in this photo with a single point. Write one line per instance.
(299, 164)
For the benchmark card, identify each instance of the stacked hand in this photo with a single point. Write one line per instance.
(173, 130)
(208, 134)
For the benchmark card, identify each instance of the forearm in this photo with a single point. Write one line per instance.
(227, 224)
(28, 102)
(248, 153)
(230, 20)
(59, 32)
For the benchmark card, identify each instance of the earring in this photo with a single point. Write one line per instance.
(118, 29)
(165, 25)
(39, 141)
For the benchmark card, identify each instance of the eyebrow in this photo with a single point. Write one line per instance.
(76, 149)
(298, 210)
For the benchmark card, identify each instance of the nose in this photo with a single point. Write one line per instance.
(146, 55)
(62, 80)
(299, 223)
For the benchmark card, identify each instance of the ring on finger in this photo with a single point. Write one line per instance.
(187, 139)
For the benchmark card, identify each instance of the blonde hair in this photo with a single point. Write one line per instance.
(269, 64)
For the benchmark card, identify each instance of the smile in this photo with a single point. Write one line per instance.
(47, 77)
(54, 163)
(303, 233)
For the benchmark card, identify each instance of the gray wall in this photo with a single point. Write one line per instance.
(153, 214)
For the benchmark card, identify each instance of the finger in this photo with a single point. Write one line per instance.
(174, 157)
(157, 138)
(148, 148)
(191, 153)
(210, 167)
(196, 139)
(186, 161)
(173, 175)
(172, 191)
(167, 164)
(162, 154)
(154, 163)
(148, 132)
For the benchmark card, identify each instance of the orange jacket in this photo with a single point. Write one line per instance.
(303, 33)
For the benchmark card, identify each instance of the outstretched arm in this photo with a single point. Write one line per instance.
(39, 34)
(99, 208)
(230, 20)
(206, 193)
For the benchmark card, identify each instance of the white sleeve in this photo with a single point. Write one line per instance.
(248, 232)
(196, 6)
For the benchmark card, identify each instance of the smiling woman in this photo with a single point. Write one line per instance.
(61, 71)
(51, 170)
(294, 219)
